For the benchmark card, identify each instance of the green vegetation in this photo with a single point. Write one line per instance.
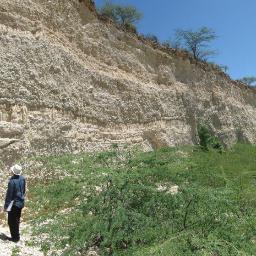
(249, 80)
(151, 38)
(220, 67)
(196, 42)
(128, 202)
(15, 251)
(126, 16)
(207, 140)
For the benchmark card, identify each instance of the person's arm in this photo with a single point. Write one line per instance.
(24, 187)
(9, 194)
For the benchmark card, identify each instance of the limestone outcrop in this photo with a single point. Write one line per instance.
(70, 82)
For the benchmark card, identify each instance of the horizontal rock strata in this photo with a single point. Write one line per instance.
(70, 82)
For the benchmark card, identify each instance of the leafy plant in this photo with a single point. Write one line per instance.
(248, 80)
(121, 204)
(15, 251)
(196, 42)
(152, 38)
(126, 16)
(207, 140)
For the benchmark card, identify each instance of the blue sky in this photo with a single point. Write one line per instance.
(233, 21)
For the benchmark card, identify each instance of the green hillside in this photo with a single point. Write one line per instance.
(173, 201)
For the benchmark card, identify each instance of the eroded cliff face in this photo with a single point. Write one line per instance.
(69, 82)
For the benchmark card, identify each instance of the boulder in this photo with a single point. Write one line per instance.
(10, 130)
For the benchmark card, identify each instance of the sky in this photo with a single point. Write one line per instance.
(234, 22)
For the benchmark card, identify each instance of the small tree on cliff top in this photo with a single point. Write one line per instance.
(196, 42)
(128, 15)
(124, 15)
(249, 80)
(109, 10)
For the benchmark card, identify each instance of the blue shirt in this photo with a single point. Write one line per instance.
(16, 191)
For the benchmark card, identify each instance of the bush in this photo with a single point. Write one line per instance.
(130, 28)
(109, 10)
(166, 44)
(151, 38)
(207, 140)
(196, 42)
(248, 80)
(123, 210)
(126, 16)
(117, 207)
(222, 68)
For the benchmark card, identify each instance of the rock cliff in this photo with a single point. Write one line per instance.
(70, 82)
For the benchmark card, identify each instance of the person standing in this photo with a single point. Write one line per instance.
(14, 201)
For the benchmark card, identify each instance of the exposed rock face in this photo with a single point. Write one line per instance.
(69, 82)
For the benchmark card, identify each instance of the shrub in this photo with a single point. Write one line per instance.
(151, 38)
(196, 42)
(222, 68)
(126, 16)
(109, 10)
(248, 80)
(207, 140)
(130, 28)
(114, 204)
(166, 44)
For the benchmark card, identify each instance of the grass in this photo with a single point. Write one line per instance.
(120, 202)
(15, 251)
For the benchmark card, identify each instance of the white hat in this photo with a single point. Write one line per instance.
(16, 169)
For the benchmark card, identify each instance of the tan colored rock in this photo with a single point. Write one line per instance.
(74, 83)
(10, 130)
(6, 142)
(174, 190)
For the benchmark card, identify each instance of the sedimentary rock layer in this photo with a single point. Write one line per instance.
(70, 82)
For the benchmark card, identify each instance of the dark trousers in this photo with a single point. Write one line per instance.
(14, 222)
